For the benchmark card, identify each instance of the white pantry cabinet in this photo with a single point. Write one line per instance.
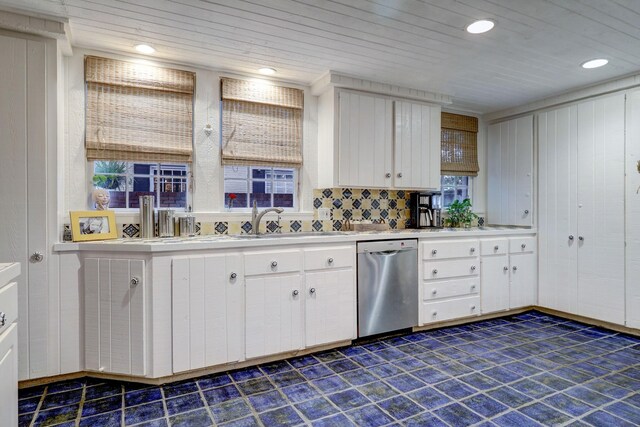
(375, 141)
(115, 316)
(510, 172)
(274, 317)
(9, 343)
(581, 208)
(208, 310)
(330, 299)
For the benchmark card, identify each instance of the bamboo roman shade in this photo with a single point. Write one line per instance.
(459, 145)
(138, 112)
(261, 124)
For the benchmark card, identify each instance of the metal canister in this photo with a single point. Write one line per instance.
(187, 225)
(166, 222)
(147, 220)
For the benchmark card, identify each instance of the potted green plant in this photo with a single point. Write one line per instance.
(109, 174)
(459, 214)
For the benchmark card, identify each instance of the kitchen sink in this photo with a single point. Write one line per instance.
(293, 235)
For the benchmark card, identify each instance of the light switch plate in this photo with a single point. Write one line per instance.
(324, 213)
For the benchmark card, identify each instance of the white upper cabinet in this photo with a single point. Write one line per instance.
(417, 145)
(510, 172)
(366, 138)
(374, 141)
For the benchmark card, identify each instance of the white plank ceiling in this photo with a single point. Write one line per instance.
(534, 51)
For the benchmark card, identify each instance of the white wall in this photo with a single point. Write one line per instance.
(207, 197)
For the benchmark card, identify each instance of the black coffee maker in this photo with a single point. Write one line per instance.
(426, 209)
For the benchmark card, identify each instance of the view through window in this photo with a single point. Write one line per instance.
(455, 188)
(269, 187)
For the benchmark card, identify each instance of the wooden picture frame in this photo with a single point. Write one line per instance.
(93, 225)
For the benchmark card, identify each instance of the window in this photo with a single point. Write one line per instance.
(269, 187)
(455, 188)
(126, 181)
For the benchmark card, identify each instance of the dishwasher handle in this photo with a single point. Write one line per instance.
(392, 252)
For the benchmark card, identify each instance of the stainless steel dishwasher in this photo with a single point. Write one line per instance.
(387, 286)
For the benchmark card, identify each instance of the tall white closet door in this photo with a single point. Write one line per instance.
(633, 209)
(557, 209)
(601, 240)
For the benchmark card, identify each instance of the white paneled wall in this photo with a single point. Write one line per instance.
(632, 203)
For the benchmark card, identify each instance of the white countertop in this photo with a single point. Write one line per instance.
(8, 272)
(217, 241)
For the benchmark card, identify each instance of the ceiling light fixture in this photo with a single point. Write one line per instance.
(145, 48)
(480, 26)
(267, 71)
(595, 63)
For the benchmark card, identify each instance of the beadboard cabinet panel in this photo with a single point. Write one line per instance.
(208, 307)
(510, 172)
(632, 207)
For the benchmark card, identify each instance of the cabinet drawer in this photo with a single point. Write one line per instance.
(450, 288)
(449, 249)
(519, 245)
(450, 309)
(331, 257)
(451, 268)
(494, 247)
(9, 304)
(256, 263)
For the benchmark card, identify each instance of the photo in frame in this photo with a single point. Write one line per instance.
(93, 225)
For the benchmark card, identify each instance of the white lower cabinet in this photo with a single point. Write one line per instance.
(509, 271)
(115, 318)
(330, 299)
(9, 344)
(208, 307)
(450, 282)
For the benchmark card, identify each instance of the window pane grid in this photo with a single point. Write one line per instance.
(269, 187)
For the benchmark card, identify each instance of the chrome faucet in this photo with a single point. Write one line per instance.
(256, 216)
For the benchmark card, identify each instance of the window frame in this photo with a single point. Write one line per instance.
(469, 188)
(132, 175)
(250, 180)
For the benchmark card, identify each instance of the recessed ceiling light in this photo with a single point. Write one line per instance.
(481, 26)
(145, 48)
(267, 71)
(595, 63)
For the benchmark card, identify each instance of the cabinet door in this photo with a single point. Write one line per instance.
(417, 146)
(9, 376)
(494, 282)
(558, 209)
(330, 304)
(273, 314)
(522, 291)
(115, 318)
(365, 140)
(207, 304)
(601, 268)
(510, 172)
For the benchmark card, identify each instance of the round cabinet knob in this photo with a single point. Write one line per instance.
(523, 246)
(506, 268)
(496, 247)
(387, 175)
(472, 250)
(571, 237)
(435, 313)
(473, 287)
(274, 264)
(526, 211)
(434, 252)
(473, 268)
(581, 238)
(295, 293)
(433, 292)
(36, 257)
(330, 260)
(399, 174)
(232, 276)
(515, 268)
(134, 281)
(435, 271)
(473, 307)
(3, 319)
(311, 291)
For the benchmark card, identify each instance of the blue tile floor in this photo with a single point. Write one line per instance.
(525, 370)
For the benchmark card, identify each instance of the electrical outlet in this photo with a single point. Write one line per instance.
(324, 213)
